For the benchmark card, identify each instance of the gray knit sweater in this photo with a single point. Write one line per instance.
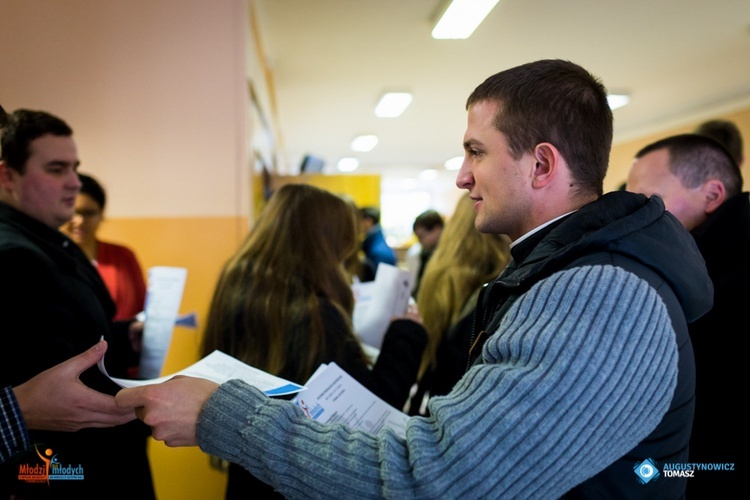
(580, 370)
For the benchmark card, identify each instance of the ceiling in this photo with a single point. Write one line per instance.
(331, 60)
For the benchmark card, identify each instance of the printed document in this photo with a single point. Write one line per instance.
(163, 297)
(332, 395)
(220, 367)
(379, 301)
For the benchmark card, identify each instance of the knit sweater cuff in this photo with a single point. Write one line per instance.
(226, 413)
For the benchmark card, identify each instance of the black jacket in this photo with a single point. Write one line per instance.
(720, 359)
(54, 305)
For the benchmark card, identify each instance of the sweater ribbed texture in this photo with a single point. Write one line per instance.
(582, 368)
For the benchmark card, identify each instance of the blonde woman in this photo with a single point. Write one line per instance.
(463, 262)
(284, 304)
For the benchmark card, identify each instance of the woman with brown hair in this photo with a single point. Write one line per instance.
(284, 304)
(463, 262)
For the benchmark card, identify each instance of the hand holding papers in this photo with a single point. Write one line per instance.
(219, 367)
(332, 395)
(379, 301)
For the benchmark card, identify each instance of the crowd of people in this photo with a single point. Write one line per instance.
(564, 342)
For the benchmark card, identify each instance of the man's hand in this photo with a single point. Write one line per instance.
(57, 400)
(171, 408)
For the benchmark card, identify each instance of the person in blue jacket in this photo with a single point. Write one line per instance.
(374, 246)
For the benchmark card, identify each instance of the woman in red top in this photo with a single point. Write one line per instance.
(117, 264)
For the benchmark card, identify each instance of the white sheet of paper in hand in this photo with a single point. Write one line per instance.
(332, 395)
(164, 294)
(378, 301)
(220, 367)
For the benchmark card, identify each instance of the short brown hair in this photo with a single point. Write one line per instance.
(559, 102)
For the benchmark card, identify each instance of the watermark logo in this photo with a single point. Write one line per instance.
(48, 468)
(646, 471)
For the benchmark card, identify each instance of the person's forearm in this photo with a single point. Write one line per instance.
(13, 434)
(512, 426)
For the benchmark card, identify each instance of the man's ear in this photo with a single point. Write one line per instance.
(6, 175)
(547, 159)
(714, 194)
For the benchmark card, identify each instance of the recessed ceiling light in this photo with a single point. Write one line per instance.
(454, 163)
(461, 18)
(392, 104)
(364, 143)
(617, 100)
(347, 164)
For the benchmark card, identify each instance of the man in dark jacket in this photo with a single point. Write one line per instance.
(702, 185)
(54, 305)
(583, 384)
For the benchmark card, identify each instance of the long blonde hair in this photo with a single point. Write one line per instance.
(266, 308)
(463, 261)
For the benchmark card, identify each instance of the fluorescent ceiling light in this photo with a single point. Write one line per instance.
(364, 143)
(461, 18)
(392, 104)
(617, 100)
(347, 164)
(454, 163)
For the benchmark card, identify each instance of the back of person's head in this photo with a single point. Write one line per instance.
(92, 188)
(372, 213)
(300, 226)
(463, 261)
(725, 133)
(21, 128)
(695, 159)
(559, 102)
(429, 220)
(266, 306)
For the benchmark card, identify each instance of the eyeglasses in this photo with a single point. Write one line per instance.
(87, 214)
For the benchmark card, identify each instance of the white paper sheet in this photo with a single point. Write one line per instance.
(379, 301)
(332, 395)
(163, 297)
(220, 367)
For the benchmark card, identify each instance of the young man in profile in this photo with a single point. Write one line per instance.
(583, 369)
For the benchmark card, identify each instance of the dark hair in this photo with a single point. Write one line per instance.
(696, 158)
(91, 187)
(3, 117)
(725, 133)
(554, 101)
(23, 126)
(429, 219)
(371, 213)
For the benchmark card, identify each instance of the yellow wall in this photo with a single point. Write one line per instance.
(202, 245)
(364, 189)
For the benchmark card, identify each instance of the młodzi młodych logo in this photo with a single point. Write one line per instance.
(646, 471)
(48, 468)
